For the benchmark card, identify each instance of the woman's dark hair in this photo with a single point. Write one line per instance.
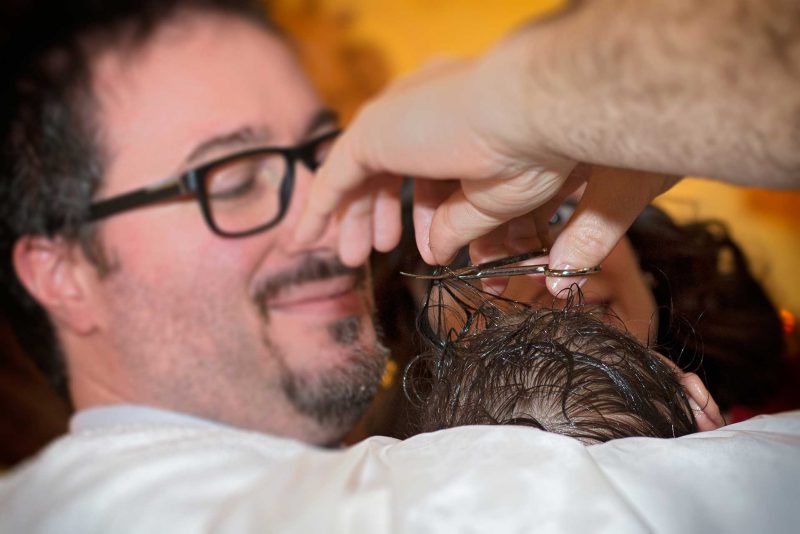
(714, 316)
(495, 361)
(51, 160)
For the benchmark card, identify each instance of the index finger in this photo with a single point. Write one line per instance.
(341, 172)
(612, 201)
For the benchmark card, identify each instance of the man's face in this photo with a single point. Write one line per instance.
(255, 332)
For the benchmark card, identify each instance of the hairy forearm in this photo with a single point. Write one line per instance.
(689, 87)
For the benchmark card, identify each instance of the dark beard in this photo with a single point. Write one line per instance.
(346, 331)
(339, 397)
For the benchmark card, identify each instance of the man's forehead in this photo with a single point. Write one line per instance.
(197, 78)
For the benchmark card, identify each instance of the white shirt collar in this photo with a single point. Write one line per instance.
(125, 414)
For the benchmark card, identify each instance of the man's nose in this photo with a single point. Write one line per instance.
(303, 176)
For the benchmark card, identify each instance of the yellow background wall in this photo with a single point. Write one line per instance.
(354, 46)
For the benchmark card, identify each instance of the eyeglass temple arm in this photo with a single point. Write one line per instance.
(140, 197)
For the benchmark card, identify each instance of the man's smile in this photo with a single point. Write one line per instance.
(316, 285)
(333, 295)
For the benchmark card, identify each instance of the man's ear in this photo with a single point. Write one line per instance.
(49, 268)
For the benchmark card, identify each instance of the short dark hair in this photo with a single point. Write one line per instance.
(498, 362)
(51, 160)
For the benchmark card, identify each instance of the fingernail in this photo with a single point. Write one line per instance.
(694, 406)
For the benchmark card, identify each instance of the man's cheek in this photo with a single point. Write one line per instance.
(288, 331)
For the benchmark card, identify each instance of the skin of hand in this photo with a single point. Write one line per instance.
(473, 186)
(618, 83)
(704, 408)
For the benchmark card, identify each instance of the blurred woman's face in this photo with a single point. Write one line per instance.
(620, 287)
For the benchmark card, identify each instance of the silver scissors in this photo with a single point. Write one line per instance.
(504, 267)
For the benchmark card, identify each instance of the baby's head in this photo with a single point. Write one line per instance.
(565, 371)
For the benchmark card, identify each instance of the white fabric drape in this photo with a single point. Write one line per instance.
(170, 477)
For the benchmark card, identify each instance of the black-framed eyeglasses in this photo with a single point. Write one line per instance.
(239, 195)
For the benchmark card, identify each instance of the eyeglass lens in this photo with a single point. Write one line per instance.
(245, 193)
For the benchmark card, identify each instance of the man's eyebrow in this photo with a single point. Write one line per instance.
(323, 117)
(248, 136)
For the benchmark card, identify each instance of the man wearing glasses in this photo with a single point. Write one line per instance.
(155, 158)
(161, 249)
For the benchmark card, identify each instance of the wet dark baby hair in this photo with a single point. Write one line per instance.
(500, 362)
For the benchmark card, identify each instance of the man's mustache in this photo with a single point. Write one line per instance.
(312, 269)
